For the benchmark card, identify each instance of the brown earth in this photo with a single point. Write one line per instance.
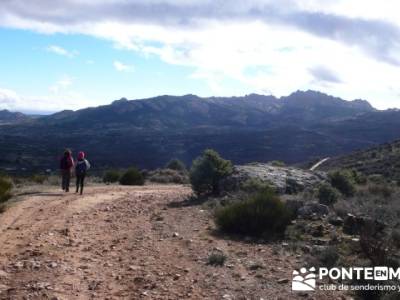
(132, 243)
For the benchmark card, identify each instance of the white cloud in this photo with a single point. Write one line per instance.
(61, 85)
(286, 45)
(121, 67)
(61, 51)
(13, 101)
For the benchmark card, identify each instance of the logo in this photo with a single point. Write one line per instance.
(304, 280)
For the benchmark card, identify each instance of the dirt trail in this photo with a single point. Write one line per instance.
(131, 243)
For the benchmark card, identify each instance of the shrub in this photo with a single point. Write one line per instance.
(167, 176)
(277, 163)
(328, 257)
(39, 179)
(3, 208)
(254, 185)
(5, 189)
(262, 214)
(176, 164)
(111, 176)
(206, 172)
(216, 259)
(327, 194)
(376, 178)
(341, 180)
(293, 186)
(132, 177)
(381, 189)
(358, 177)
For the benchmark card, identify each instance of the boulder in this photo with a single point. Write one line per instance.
(335, 220)
(312, 209)
(283, 179)
(354, 225)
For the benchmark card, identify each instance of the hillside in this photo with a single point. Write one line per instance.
(149, 132)
(383, 160)
(8, 117)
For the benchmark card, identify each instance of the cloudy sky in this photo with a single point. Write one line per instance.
(70, 54)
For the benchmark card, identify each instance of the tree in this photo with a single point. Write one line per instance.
(207, 171)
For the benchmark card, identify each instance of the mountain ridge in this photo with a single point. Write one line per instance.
(149, 132)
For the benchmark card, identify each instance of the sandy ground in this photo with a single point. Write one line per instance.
(132, 243)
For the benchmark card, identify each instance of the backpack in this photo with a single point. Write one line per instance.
(65, 163)
(81, 167)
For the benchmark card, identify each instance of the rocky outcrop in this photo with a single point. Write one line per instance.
(284, 179)
(313, 209)
(355, 225)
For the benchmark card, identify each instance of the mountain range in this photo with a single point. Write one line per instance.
(149, 132)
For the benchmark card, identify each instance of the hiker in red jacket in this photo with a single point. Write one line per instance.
(82, 165)
(66, 166)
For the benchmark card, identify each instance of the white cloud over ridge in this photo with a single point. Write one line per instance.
(348, 48)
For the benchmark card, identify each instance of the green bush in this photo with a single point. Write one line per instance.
(262, 214)
(206, 172)
(5, 189)
(380, 189)
(132, 177)
(327, 194)
(328, 257)
(277, 163)
(358, 177)
(176, 164)
(376, 178)
(216, 259)
(342, 181)
(167, 176)
(254, 185)
(111, 176)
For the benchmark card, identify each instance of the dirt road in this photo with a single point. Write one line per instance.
(131, 243)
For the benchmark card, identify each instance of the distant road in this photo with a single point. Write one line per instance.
(319, 163)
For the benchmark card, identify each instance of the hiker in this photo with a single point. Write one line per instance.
(66, 165)
(82, 165)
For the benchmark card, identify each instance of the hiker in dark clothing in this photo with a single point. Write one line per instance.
(82, 165)
(66, 165)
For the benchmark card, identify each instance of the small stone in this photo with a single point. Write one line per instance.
(283, 280)
(3, 274)
(19, 265)
(175, 234)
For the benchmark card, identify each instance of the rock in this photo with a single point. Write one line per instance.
(227, 296)
(320, 241)
(93, 285)
(3, 274)
(134, 268)
(335, 220)
(312, 209)
(255, 266)
(284, 179)
(53, 264)
(294, 204)
(354, 225)
(175, 234)
(283, 280)
(317, 231)
(19, 265)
